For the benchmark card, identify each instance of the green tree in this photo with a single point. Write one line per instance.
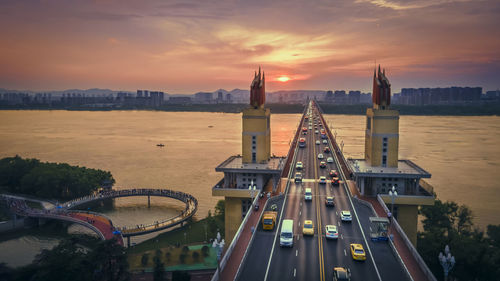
(180, 276)
(145, 259)
(159, 267)
(109, 261)
(220, 208)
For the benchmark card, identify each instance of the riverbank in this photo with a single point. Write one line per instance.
(492, 109)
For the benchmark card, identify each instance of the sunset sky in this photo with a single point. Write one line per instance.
(185, 46)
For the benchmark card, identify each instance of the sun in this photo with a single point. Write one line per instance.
(283, 78)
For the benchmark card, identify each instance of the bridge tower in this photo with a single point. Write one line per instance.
(381, 168)
(256, 166)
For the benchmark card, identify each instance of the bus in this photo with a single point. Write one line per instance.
(302, 142)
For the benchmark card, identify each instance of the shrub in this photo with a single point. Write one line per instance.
(196, 256)
(145, 259)
(205, 251)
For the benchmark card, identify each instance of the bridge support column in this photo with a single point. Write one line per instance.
(128, 241)
(149, 201)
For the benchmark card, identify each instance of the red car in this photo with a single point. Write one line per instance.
(334, 174)
(335, 181)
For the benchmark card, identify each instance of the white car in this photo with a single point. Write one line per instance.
(346, 216)
(329, 160)
(325, 142)
(331, 232)
(320, 156)
(316, 132)
(310, 128)
(299, 166)
(317, 142)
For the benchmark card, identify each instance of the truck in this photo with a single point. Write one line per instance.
(269, 220)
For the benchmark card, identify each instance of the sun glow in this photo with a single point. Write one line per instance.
(283, 78)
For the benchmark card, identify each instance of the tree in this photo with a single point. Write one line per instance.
(196, 256)
(145, 259)
(180, 276)
(220, 208)
(109, 261)
(205, 251)
(159, 267)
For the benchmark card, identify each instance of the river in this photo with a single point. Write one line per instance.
(461, 153)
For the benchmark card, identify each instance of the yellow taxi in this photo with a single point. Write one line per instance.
(308, 228)
(357, 252)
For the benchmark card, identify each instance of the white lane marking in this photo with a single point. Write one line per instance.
(338, 223)
(336, 213)
(341, 236)
(371, 229)
(299, 223)
(300, 214)
(298, 237)
(300, 203)
(294, 272)
(345, 253)
(296, 252)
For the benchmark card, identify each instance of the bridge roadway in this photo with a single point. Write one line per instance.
(313, 258)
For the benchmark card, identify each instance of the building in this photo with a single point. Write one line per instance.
(255, 170)
(203, 97)
(381, 169)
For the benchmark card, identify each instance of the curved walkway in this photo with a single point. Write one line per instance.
(99, 223)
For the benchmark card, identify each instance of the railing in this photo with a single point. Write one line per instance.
(423, 266)
(427, 187)
(236, 237)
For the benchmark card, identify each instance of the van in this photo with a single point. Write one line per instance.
(286, 235)
(308, 194)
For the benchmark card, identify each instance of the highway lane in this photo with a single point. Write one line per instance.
(313, 258)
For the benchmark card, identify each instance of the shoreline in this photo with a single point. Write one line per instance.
(492, 109)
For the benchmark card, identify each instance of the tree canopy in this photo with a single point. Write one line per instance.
(49, 180)
(477, 255)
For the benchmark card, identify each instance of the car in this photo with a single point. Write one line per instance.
(299, 166)
(298, 177)
(320, 156)
(341, 274)
(310, 128)
(321, 125)
(317, 142)
(322, 180)
(335, 181)
(330, 201)
(331, 232)
(325, 142)
(304, 133)
(316, 132)
(326, 149)
(357, 252)
(329, 160)
(322, 164)
(308, 194)
(346, 216)
(334, 173)
(308, 228)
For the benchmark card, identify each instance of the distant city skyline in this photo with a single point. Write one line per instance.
(184, 47)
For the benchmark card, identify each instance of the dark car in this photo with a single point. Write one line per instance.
(334, 173)
(329, 201)
(298, 177)
(326, 150)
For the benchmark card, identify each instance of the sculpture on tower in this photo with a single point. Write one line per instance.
(381, 95)
(258, 90)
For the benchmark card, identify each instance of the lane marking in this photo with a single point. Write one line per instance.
(294, 271)
(345, 253)
(336, 213)
(318, 217)
(296, 252)
(341, 236)
(299, 223)
(300, 214)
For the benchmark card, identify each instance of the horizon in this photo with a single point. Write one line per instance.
(184, 47)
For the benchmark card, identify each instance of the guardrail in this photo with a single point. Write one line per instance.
(407, 242)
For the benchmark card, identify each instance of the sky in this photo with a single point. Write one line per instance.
(186, 46)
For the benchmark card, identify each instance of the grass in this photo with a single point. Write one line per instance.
(195, 233)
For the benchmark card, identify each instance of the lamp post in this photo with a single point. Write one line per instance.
(342, 146)
(218, 244)
(447, 261)
(393, 193)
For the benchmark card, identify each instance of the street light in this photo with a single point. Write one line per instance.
(447, 261)
(393, 193)
(342, 146)
(218, 244)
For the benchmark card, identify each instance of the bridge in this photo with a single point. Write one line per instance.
(255, 254)
(99, 223)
